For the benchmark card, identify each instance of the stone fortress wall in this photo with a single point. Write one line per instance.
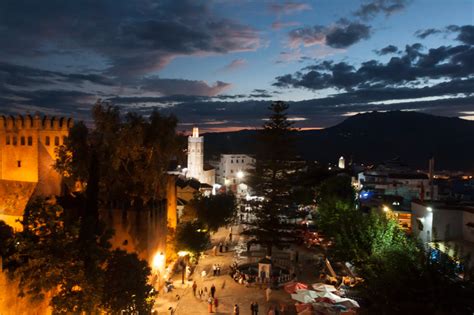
(27, 154)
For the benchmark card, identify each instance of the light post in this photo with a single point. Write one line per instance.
(158, 265)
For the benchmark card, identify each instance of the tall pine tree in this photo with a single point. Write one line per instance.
(272, 180)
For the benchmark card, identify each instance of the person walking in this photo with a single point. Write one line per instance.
(216, 304)
(213, 290)
(268, 293)
(194, 288)
(220, 247)
(218, 270)
(214, 270)
(200, 292)
(255, 306)
(236, 310)
(209, 304)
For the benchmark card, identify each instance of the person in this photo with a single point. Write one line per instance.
(216, 304)
(203, 274)
(254, 308)
(271, 311)
(218, 270)
(226, 247)
(194, 288)
(220, 247)
(201, 292)
(214, 250)
(209, 304)
(268, 293)
(230, 235)
(236, 309)
(213, 290)
(214, 270)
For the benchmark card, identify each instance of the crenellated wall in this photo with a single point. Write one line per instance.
(27, 150)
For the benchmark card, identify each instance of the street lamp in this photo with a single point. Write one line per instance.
(240, 174)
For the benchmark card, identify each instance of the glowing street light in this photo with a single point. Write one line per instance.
(386, 209)
(240, 174)
(158, 262)
(429, 209)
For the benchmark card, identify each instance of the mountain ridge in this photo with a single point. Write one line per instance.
(373, 137)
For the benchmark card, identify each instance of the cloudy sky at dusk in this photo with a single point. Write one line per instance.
(219, 63)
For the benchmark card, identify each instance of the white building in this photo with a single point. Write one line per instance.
(232, 171)
(451, 226)
(196, 168)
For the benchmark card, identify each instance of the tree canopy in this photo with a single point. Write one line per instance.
(215, 211)
(192, 237)
(132, 154)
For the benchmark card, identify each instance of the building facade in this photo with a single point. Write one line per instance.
(196, 168)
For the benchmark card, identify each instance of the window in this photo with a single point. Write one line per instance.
(46, 140)
(64, 139)
(232, 161)
(8, 140)
(232, 171)
(56, 140)
(22, 140)
(15, 140)
(18, 163)
(30, 141)
(236, 161)
(242, 161)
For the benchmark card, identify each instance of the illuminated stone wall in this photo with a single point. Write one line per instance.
(27, 150)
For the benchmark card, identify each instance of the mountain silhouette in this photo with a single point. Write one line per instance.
(373, 138)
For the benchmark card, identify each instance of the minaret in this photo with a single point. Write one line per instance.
(195, 155)
(342, 163)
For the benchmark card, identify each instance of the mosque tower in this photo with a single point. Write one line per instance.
(195, 155)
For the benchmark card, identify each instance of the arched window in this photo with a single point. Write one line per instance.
(56, 140)
(22, 141)
(46, 140)
(8, 140)
(30, 141)
(15, 140)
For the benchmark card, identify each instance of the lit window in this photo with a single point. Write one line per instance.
(30, 141)
(15, 140)
(8, 140)
(64, 139)
(22, 140)
(46, 140)
(18, 163)
(56, 140)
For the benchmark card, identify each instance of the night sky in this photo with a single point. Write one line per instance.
(219, 63)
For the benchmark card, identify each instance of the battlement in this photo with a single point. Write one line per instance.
(36, 122)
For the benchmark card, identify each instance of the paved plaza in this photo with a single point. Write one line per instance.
(228, 292)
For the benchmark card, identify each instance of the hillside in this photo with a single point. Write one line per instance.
(372, 138)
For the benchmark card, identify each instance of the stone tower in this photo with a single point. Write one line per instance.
(195, 155)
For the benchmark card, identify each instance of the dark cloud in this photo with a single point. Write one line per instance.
(466, 33)
(413, 66)
(426, 32)
(390, 49)
(183, 87)
(347, 34)
(289, 7)
(134, 37)
(341, 35)
(23, 76)
(372, 8)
